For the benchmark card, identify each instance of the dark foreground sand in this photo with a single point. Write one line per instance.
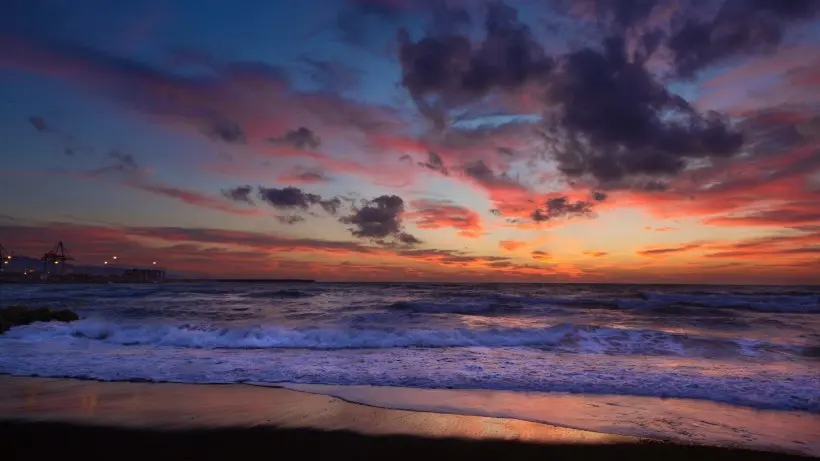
(57, 419)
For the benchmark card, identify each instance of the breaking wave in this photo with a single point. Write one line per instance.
(564, 337)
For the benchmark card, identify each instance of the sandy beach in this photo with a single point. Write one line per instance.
(167, 421)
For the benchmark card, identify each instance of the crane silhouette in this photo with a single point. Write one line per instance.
(57, 256)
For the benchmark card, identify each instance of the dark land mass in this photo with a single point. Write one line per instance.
(257, 280)
(21, 315)
(42, 440)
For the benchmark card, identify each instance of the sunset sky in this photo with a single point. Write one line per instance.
(435, 140)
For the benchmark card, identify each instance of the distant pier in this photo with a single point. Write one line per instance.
(56, 269)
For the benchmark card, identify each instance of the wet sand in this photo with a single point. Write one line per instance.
(43, 418)
(679, 420)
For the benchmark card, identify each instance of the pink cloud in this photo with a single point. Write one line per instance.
(512, 245)
(435, 214)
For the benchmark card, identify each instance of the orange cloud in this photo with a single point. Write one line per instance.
(777, 218)
(440, 214)
(660, 229)
(511, 245)
(214, 252)
(655, 252)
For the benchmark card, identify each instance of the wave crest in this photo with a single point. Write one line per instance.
(564, 337)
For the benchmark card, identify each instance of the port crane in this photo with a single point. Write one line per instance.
(56, 257)
(5, 257)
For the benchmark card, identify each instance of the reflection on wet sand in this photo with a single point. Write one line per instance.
(680, 420)
(167, 406)
(419, 412)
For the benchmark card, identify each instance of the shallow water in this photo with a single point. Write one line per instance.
(749, 346)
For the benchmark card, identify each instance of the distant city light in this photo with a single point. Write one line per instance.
(8, 257)
(56, 262)
(115, 257)
(154, 263)
(105, 262)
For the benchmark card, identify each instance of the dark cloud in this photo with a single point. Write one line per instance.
(239, 194)
(290, 220)
(123, 163)
(408, 239)
(434, 253)
(739, 27)
(500, 264)
(331, 205)
(755, 254)
(227, 132)
(626, 13)
(608, 118)
(38, 123)
(612, 121)
(650, 186)
(505, 151)
(791, 214)
(435, 163)
(442, 72)
(703, 32)
(300, 138)
(289, 197)
(665, 251)
(561, 207)
(126, 161)
(312, 176)
(449, 257)
(380, 219)
(772, 131)
(302, 175)
(599, 196)
(447, 17)
(293, 198)
(541, 255)
(479, 170)
(483, 174)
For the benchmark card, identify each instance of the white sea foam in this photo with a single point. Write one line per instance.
(790, 386)
(662, 342)
(563, 337)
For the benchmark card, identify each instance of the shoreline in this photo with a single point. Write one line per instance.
(122, 408)
(676, 420)
(178, 406)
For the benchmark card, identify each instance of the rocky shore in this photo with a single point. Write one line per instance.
(23, 315)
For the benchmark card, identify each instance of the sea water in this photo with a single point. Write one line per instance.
(751, 346)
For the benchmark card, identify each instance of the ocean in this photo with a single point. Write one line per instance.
(750, 346)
